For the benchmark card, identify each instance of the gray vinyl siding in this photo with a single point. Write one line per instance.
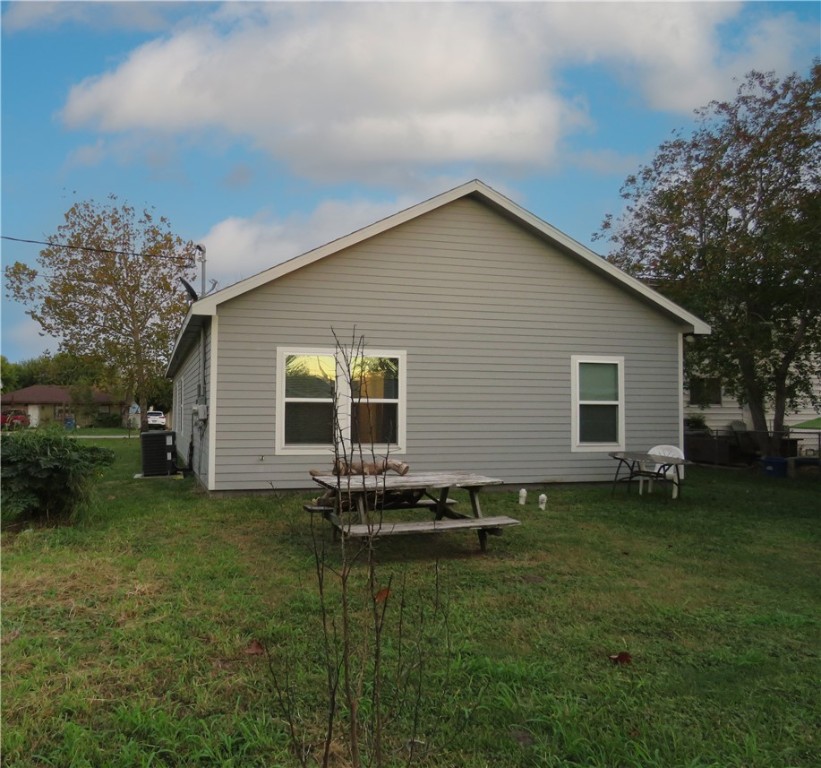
(195, 390)
(489, 316)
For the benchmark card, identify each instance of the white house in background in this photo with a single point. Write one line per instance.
(493, 343)
(719, 410)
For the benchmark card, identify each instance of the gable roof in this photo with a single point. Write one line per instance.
(477, 190)
(49, 394)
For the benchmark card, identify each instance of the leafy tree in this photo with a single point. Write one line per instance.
(107, 287)
(727, 221)
(9, 374)
(62, 369)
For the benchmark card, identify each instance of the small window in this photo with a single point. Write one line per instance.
(369, 401)
(705, 391)
(598, 403)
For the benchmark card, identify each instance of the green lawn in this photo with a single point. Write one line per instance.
(128, 639)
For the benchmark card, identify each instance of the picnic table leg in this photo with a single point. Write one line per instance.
(482, 540)
(616, 476)
(474, 501)
(442, 503)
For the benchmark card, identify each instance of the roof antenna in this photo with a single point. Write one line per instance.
(201, 250)
(189, 290)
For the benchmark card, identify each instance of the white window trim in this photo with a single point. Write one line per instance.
(576, 445)
(322, 450)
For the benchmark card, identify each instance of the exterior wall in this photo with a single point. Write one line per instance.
(190, 386)
(34, 415)
(716, 416)
(489, 316)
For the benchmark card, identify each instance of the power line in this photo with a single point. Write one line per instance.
(90, 249)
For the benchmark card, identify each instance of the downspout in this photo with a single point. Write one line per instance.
(201, 391)
(201, 386)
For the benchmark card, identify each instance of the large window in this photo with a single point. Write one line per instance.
(598, 403)
(321, 400)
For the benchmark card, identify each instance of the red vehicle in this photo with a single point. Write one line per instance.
(14, 419)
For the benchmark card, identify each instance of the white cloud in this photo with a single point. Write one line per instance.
(377, 88)
(20, 16)
(87, 155)
(606, 161)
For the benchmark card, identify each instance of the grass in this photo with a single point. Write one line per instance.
(104, 432)
(126, 638)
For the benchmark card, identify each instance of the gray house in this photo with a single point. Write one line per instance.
(492, 343)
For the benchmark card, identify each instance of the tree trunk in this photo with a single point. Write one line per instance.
(143, 413)
(779, 406)
(756, 403)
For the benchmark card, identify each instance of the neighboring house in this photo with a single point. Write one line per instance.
(719, 411)
(46, 403)
(494, 343)
(707, 400)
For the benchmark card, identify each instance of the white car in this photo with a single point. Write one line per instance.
(155, 419)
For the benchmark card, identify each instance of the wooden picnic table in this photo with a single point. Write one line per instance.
(372, 495)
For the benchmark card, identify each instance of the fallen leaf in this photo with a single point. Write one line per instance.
(621, 658)
(382, 595)
(255, 648)
(522, 737)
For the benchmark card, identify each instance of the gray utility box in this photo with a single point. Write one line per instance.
(159, 451)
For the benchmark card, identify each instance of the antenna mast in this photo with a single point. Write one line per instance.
(201, 250)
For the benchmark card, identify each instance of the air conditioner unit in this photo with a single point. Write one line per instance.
(159, 452)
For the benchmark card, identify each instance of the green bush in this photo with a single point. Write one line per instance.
(48, 475)
(108, 420)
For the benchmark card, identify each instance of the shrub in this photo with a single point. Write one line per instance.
(48, 475)
(108, 420)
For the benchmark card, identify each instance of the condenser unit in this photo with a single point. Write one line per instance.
(159, 451)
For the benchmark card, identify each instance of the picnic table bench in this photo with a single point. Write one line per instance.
(371, 496)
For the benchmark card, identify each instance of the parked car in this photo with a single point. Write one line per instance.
(155, 420)
(14, 419)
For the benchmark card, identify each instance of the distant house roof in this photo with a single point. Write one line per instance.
(49, 394)
(476, 190)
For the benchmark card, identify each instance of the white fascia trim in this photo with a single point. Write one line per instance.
(212, 406)
(208, 304)
(557, 236)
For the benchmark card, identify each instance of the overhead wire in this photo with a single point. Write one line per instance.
(91, 249)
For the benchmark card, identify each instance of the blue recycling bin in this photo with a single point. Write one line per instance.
(774, 466)
(70, 423)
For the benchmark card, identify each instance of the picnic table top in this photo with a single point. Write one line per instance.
(411, 481)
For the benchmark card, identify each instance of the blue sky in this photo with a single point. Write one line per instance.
(262, 130)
